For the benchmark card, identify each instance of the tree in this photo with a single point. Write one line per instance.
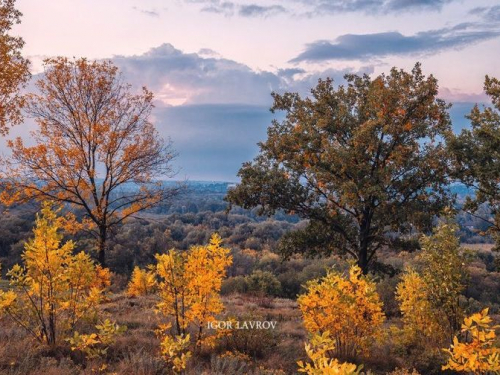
(476, 158)
(190, 287)
(357, 161)
(95, 148)
(142, 283)
(14, 69)
(429, 299)
(422, 323)
(346, 306)
(444, 274)
(55, 289)
(479, 354)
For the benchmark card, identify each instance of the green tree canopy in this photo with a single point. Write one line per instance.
(358, 161)
(476, 156)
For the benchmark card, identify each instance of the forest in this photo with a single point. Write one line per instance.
(363, 238)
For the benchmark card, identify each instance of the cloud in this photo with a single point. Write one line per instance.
(489, 14)
(147, 12)
(179, 78)
(369, 46)
(260, 11)
(226, 8)
(371, 6)
(317, 7)
(190, 78)
(213, 140)
(230, 8)
(215, 110)
(455, 95)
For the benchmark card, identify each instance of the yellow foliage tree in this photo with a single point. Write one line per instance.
(190, 288)
(55, 289)
(318, 352)
(142, 283)
(421, 321)
(347, 306)
(444, 274)
(479, 353)
(429, 299)
(94, 147)
(14, 68)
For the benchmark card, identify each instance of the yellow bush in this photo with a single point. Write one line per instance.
(479, 353)
(348, 307)
(421, 320)
(429, 299)
(96, 344)
(318, 352)
(54, 289)
(174, 350)
(189, 290)
(444, 274)
(141, 283)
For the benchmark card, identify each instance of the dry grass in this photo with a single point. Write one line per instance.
(136, 351)
(478, 246)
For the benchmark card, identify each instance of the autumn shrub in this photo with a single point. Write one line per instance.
(175, 351)
(421, 321)
(263, 282)
(189, 291)
(95, 345)
(229, 363)
(429, 300)
(346, 306)
(318, 350)
(254, 343)
(142, 283)
(233, 285)
(444, 274)
(479, 352)
(54, 289)
(403, 371)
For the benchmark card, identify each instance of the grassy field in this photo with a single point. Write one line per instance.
(137, 350)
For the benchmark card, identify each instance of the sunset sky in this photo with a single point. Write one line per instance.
(212, 64)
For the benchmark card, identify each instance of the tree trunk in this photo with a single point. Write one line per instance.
(363, 259)
(364, 242)
(101, 252)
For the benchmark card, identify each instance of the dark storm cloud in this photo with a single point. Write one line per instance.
(368, 46)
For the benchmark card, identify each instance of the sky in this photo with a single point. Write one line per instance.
(212, 64)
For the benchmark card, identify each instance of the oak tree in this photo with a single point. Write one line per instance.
(476, 158)
(358, 161)
(14, 68)
(94, 149)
